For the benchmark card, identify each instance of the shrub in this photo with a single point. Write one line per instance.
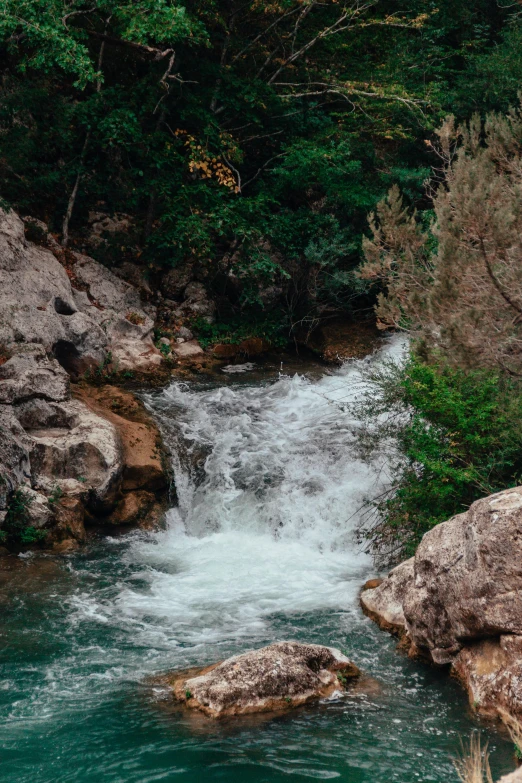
(16, 529)
(454, 436)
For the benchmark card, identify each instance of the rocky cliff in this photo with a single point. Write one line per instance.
(458, 601)
(69, 456)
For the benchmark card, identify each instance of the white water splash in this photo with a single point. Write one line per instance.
(266, 517)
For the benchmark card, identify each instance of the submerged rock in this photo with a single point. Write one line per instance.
(278, 677)
(459, 600)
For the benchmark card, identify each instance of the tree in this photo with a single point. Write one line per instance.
(458, 285)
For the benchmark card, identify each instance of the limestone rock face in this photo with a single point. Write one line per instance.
(277, 677)
(79, 323)
(85, 455)
(461, 599)
(29, 374)
(60, 314)
(35, 288)
(15, 465)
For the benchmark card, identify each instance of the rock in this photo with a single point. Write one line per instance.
(29, 373)
(184, 333)
(15, 463)
(119, 313)
(69, 515)
(468, 578)
(102, 226)
(278, 677)
(383, 601)
(491, 671)
(187, 350)
(36, 291)
(135, 275)
(37, 414)
(39, 512)
(135, 355)
(138, 434)
(196, 303)
(459, 600)
(80, 326)
(176, 280)
(134, 508)
(86, 453)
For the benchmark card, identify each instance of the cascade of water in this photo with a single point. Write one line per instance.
(269, 493)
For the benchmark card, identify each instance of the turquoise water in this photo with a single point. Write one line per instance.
(260, 548)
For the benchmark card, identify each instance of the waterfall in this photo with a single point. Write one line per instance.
(270, 493)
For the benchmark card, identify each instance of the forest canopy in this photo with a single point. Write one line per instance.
(250, 137)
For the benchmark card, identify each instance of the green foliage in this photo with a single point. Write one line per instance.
(240, 136)
(458, 436)
(234, 331)
(16, 529)
(57, 494)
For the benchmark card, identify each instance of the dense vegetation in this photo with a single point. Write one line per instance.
(455, 284)
(250, 137)
(456, 435)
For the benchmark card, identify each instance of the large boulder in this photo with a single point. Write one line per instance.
(278, 677)
(468, 578)
(84, 455)
(464, 586)
(30, 374)
(79, 323)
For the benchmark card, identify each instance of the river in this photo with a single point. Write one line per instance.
(260, 547)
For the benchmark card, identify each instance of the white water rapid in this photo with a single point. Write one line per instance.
(266, 518)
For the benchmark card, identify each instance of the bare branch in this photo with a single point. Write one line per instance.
(158, 54)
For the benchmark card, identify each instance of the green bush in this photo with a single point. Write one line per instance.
(457, 436)
(16, 529)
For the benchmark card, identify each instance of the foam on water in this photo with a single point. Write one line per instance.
(266, 517)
